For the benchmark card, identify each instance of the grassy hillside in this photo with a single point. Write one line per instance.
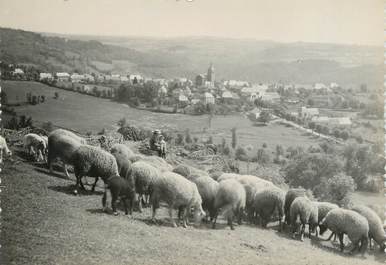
(251, 60)
(42, 223)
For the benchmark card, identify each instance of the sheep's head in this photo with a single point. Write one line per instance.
(322, 228)
(382, 246)
(199, 213)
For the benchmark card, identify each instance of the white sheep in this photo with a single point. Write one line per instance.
(376, 231)
(230, 198)
(4, 148)
(266, 201)
(342, 221)
(207, 187)
(35, 145)
(93, 162)
(144, 176)
(189, 172)
(178, 193)
(63, 147)
(68, 133)
(290, 196)
(303, 212)
(155, 161)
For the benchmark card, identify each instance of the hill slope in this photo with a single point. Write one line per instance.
(42, 223)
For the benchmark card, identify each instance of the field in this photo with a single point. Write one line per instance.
(42, 223)
(72, 110)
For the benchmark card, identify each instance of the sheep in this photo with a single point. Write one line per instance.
(230, 198)
(177, 192)
(189, 172)
(122, 154)
(144, 176)
(251, 184)
(93, 162)
(342, 221)
(120, 188)
(290, 196)
(61, 146)
(207, 187)
(68, 133)
(35, 145)
(155, 161)
(266, 201)
(225, 176)
(303, 212)
(4, 148)
(376, 231)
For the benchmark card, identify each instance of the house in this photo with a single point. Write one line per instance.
(200, 80)
(226, 95)
(334, 85)
(235, 83)
(208, 98)
(88, 78)
(63, 76)
(162, 91)
(116, 77)
(182, 98)
(124, 78)
(270, 96)
(137, 77)
(45, 76)
(255, 89)
(309, 112)
(319, 86)
(18, 71)
(76, 78)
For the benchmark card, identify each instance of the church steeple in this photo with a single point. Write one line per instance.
(210, 76)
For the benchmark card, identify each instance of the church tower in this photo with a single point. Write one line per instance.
(210, 76)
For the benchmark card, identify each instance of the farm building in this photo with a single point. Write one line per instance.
(208, 98)
(309, 112)
(62, 76)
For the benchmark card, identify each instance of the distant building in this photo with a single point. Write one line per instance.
(182, 98)
(76, 78)
(200, 80)
(208, 98)
(211, 75)
(235, 83)
(124, 79)
(334, 85)
(116, 77)
(88, 78)
(309, 112)
(45, 76)
(226, 95)
(63, 76)
(18, 71)
(136, 77)
(270, 96)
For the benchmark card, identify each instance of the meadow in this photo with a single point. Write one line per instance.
(85, 113)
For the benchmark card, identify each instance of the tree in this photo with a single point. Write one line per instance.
(310, 102)
(56, 95)
(48, 126)
(264, 117)
(307, 170)
(263, 157)
(241, 154)
(312, 125)
(4, 99)
(336, 189)
(180, 139)
(234, 137)
(344, 135)
(188, 139)
(122, 122)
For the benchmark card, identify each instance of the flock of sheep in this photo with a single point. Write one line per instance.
(135, 179)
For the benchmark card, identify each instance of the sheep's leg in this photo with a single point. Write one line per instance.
(126, 205)
(332, 234)
(81, 183)
(140, 203)
(239, 216)
(185, 217)
(302, 232)
(1, 156)
(230, 222)
(364, 242)
(356, 246)
(64, 169)
(104, 198)
(214, 219)
(114, 198)
(370, 239)
(154, 213)
(340, 236)
(94, 185)
(171, 216)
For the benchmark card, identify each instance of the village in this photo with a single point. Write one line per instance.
(317, 108)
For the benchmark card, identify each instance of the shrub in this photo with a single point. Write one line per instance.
(336, 188)
(241, 154)
(226, 151)
(344, 135)
(188, 138)
(48, 126)
(179, 139)
(307, 170)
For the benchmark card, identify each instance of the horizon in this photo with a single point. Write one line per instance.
(89, 37)
(316, 21)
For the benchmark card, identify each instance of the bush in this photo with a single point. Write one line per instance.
(188, 138)
(180, 139)
(263, 157)
(226, 151)
(344, 135)
(335, 189)
(307, 170)
(241, 154)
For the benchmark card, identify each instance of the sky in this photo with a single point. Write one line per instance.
(328, 21)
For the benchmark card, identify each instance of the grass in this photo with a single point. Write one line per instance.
(42, 223)
(86, 113)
